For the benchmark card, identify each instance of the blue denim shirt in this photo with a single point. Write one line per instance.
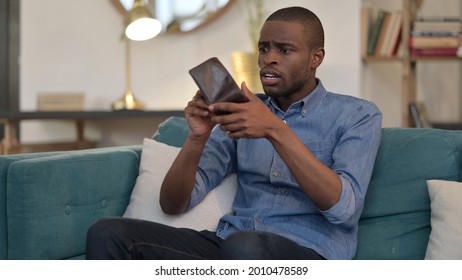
(341, 131)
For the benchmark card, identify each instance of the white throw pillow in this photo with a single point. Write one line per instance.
(156, 159)
(446, 220)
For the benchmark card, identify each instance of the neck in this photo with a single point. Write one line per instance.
(288, 99)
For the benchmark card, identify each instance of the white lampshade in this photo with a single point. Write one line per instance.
(141, 24)
(143, 29)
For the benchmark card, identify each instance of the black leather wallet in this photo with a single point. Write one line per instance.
(215, 82)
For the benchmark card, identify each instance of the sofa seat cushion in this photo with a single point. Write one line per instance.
(51, 201)
(395, 223)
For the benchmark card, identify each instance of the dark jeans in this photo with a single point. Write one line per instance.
(123, 238)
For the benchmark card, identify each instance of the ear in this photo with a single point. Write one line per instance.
(318, 57)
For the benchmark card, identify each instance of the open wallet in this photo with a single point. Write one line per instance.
(215, 82)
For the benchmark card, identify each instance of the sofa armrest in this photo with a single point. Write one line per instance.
(5, 162)
(51, 201)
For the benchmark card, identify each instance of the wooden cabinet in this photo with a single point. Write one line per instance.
(407, 61)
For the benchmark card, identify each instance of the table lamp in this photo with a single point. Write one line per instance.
(141, 26)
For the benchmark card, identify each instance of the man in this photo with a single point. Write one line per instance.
(303, 156)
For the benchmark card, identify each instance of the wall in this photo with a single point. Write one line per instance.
(69, 45)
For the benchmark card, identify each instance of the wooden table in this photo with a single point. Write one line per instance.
(11, 143)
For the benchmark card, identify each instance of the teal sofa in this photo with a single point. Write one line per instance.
(48, 200)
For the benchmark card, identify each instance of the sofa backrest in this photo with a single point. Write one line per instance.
(172, 131)
(395, 223)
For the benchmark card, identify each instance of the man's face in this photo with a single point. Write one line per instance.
(288, 65)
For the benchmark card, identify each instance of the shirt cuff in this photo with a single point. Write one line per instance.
(198, 193)
(344, 209)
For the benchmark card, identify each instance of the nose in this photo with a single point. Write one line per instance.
(269, 58)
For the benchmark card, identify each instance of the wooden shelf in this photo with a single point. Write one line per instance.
(372, 59)
(11, 144)
(37, 115)
(435, 58)
(368, 59)
(408, 62)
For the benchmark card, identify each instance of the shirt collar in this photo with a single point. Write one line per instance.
(304, 105)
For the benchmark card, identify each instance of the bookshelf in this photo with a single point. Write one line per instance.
(407, 61)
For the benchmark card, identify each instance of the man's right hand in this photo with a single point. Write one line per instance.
(199, 119)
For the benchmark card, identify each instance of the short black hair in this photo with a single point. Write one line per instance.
(312, 24)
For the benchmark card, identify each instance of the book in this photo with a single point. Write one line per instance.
(393, 36)
(434, 41)
(434, 33)
(396, 36)
(384, 32)
(415, 115)
(366, 12)
(419, 115)
(439, 19)
(59, 107)
(375, 32)
(425, 52)
(445, 25)
(60, 101)
(382, 51)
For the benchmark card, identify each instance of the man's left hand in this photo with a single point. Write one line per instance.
(250, 119)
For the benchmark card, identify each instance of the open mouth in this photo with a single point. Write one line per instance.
(269, 77)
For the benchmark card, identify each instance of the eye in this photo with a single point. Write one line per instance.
(285, 50)
(262, 50)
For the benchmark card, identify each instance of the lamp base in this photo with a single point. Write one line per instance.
(245, 68)
(127, 102)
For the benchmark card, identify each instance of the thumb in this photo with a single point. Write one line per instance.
(247, 93)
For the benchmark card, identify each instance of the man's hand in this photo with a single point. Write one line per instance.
(250, 119)
(199, 118)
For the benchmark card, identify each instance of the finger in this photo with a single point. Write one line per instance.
(196, 107)
(247, 93)
(191, 112)
(231, 128)
(236, 134)
(198, 101)
(228, 107)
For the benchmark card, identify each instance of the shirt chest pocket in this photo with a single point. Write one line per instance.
(322, 150)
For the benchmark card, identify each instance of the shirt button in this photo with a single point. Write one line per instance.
(283, 191)
(304, 112)
(284, 121)
(275, 174)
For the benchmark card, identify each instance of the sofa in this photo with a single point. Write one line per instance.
(48, 200)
